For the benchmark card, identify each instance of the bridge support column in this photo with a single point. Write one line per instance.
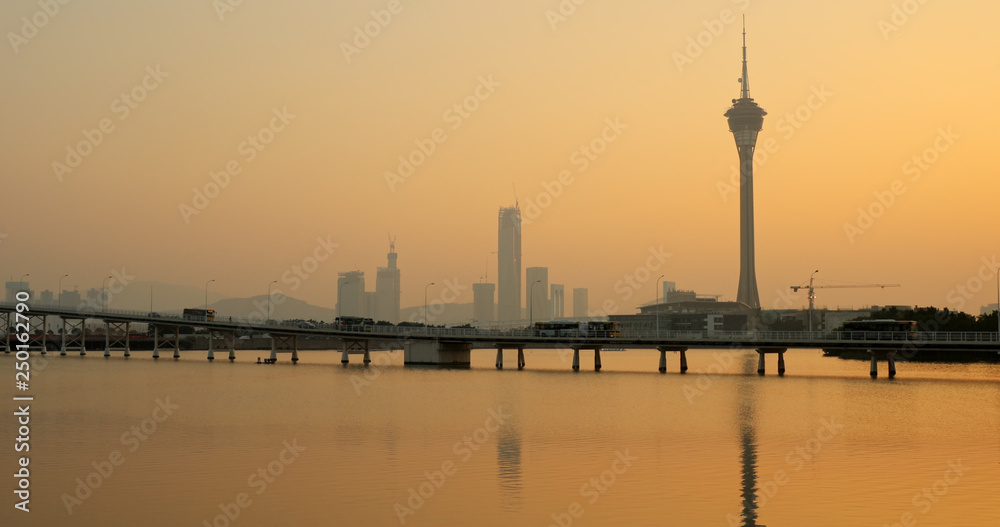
(520, 358)
(211, 354)
(232, 346)
(107, 339)
(62, 348)
(274, 352)
(663, 361)
(295, 349)
(344, 359)
(874, 369)
(156, 342)
(684, 361)
(781, 363)
(597, 359)
(576, 359)
(128, 342)
(437, 353)
(499, 363)
(760, 362)
(891, 360)
(368, 357)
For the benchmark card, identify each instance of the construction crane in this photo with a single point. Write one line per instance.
(812, 291)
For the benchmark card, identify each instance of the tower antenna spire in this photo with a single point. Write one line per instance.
(745, 80)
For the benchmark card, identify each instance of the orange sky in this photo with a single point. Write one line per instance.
(890, 89)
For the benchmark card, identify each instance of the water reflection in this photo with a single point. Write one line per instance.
(745, 393)
(509, 465)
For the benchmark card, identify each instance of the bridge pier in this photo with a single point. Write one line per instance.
(597, 359)
(520, 358)
(762, 352)
(437, 353)
(874, 368)
(891, 359)
(576, 359)
(343, 355)
(69, 342)
(368, 357)
(663, 357)
(499, 363)
(295, 349)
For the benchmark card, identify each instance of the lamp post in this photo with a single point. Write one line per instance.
(269, 300)
(59, 287)
(206, 293)
(812, 298)
(425, 302)
(106, 292)
(531, 305)
(656, 305)
(340, 290)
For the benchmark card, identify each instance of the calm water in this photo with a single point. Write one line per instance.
(825, 445)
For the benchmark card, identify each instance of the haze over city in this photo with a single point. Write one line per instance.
(509, 94)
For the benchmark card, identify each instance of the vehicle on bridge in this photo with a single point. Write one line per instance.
(199, 315)
(366, 324)
(564, 328)
(880, 329)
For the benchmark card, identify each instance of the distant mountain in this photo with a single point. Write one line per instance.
(171, 298)
(257, 306)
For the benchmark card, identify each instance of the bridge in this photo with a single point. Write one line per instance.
(24, 328)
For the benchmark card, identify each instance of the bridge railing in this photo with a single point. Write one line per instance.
(665, 336)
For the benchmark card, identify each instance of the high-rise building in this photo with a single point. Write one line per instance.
(746, 119)
(70, 299)
(509, 264)
(482, 303)
(351, 294)
(581, 302)
(537, 291)
(13, 288)
(558, 300)
(387, 289)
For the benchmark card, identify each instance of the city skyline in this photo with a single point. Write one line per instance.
(644, 90)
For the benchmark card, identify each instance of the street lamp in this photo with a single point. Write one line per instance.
(340, 289)
(269, 301)
(206, 293)
(656, 305)
(425, 302)
(106, 292)
(59, 287)
(531, 305)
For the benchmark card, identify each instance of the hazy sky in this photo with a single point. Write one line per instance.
(853, 93)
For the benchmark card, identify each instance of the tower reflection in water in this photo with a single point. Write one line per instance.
(746, 391)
